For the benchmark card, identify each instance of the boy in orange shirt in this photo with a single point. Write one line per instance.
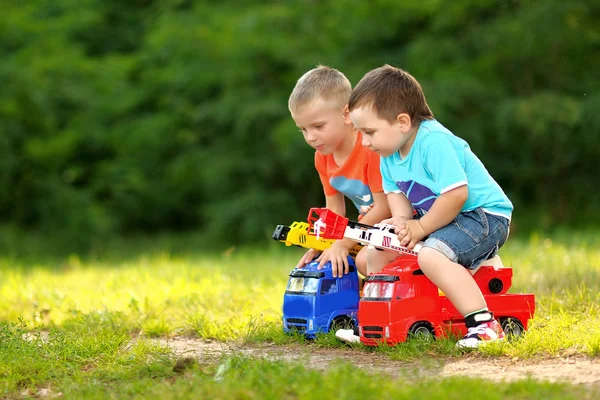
(319, 106)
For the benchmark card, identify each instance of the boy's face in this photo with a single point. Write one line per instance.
(379, 135)
(323, 124)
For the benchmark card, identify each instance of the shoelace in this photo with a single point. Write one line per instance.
(476, 330)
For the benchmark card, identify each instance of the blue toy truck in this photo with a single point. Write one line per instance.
(315, 301)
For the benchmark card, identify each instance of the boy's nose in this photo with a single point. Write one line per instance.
(366, 142)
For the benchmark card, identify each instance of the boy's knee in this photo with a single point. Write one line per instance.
(377, 259)
(429, 257)
(373, 254)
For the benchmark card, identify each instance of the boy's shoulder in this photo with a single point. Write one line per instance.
(359, 156)
(432, 132)
(433, 129)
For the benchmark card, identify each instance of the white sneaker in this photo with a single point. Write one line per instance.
(348, 335)
(486, 332)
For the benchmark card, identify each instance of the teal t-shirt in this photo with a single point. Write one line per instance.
(438, 162)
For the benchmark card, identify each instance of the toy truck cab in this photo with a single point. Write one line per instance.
(315, 301)
(401, 301)
(395, 298)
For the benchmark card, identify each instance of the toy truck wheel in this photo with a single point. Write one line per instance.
(421, 330)
(341, 322)
(495, 285)
(511, 326)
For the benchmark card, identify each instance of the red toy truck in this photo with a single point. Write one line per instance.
(401, 301)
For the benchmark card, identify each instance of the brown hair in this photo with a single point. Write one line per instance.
(391, 91)
(321, 82)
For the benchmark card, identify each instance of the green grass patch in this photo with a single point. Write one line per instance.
(98, 362)
(237, 295)
(89, 308)
(66, 358)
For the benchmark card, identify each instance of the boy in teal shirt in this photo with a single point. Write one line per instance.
(463, 215)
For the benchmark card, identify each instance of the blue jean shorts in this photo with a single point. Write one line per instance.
(473, 237)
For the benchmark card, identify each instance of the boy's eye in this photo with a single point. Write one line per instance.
(319, 126)
(369, 132)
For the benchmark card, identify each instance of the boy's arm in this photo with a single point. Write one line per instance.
(401, 209)
(375, 215)
(378, 212)
(442, 161)
(380, 209)
(400, 206)
(339, 250)
(444, 209)
(336, 203)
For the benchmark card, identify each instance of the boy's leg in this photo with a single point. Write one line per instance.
(377, 259)
(470, 239)
(453, 279)
(460, 287)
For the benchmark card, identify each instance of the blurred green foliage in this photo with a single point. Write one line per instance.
(152, 115)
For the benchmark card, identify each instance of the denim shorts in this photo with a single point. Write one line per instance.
(473, 237)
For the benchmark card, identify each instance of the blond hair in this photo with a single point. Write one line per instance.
(391, 91)
(321, 82)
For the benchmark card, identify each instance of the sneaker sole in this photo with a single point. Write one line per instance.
(477, 344)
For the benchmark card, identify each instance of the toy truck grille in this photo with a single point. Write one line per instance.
(373, 328)
(298, 324)
(369, 332)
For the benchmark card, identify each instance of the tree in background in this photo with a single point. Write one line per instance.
(158, 115)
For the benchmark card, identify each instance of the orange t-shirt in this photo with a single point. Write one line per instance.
(357, 179)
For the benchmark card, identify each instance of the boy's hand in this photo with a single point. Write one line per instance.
(338, 255)
(307, 258)
(410, 233)
(396, 222)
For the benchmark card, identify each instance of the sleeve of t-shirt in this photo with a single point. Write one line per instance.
(374, 172)
(442, 162)
(321, 166)
(389, 186)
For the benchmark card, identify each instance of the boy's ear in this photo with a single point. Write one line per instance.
(347, 119)
(404, 121)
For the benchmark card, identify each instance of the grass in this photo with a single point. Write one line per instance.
(69, 324)
(100, 363)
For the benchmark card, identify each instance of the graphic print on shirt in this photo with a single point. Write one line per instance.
(355, 190)
(420, 196)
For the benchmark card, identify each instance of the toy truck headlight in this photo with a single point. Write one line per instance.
(310, 324)
(360, 332)
(386, 331)
(378, 290)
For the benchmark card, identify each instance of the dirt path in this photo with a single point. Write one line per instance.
(573, 369)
